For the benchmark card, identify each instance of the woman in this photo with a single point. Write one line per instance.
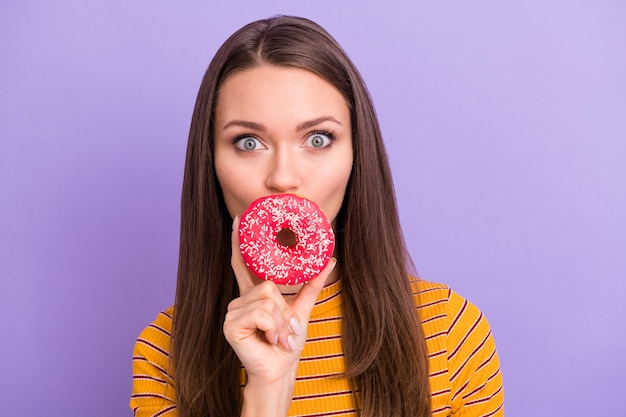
(282, 109)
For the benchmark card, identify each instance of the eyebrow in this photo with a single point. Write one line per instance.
(302, 126)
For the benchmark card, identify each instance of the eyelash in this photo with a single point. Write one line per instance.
(326, 132)
(331, 135)
(243, 136)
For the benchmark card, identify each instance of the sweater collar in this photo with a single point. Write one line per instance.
(329, 299)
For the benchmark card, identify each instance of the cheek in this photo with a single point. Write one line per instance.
(343, 171)
(336, 183)
(230, 184)
(226, 170)
(223, 177)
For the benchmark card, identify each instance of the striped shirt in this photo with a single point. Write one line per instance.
(465, 378)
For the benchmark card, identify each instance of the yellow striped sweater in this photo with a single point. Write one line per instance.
(465, 376)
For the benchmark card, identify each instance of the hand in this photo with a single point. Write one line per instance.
(267, 331)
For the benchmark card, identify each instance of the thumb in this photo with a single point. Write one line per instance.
(303, 303)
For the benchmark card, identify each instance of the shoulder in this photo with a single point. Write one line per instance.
(162, 325)
(439, 303)
(153, 342)
(426, 293)
(432, 302)
(163, 320)
(153, 390)
(447, 315)
(465, 370)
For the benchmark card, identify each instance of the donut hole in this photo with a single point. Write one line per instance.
(287, 238)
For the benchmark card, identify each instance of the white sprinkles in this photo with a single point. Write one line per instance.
(266, 257)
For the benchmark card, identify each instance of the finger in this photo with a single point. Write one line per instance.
(266, 296)
(242, 273)
(239, 326)
(261, 298)
(264, 290)
(303, 302)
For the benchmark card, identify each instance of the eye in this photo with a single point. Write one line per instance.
(248, 143)
(319, 140)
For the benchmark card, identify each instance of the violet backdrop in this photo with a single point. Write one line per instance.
(505, 125)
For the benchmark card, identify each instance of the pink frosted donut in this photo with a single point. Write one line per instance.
(285, 238)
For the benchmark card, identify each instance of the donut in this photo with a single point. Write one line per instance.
(285, 238)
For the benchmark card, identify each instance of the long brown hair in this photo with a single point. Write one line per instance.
(383, 342)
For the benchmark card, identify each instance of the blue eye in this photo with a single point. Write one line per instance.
(247, 143)
(318, 140)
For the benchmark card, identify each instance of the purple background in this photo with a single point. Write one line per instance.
(506, 129)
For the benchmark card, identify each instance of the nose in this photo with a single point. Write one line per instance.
(283, 173)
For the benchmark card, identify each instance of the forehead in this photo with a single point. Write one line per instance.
(268, 90)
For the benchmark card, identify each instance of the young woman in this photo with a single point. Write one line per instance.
(282, 109)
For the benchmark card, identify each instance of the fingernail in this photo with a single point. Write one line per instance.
(292, 343)
(276, 338)
(334, 264)
(234, 221)
(295, 326)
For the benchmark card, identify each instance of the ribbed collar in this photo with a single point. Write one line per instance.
(329, 299)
